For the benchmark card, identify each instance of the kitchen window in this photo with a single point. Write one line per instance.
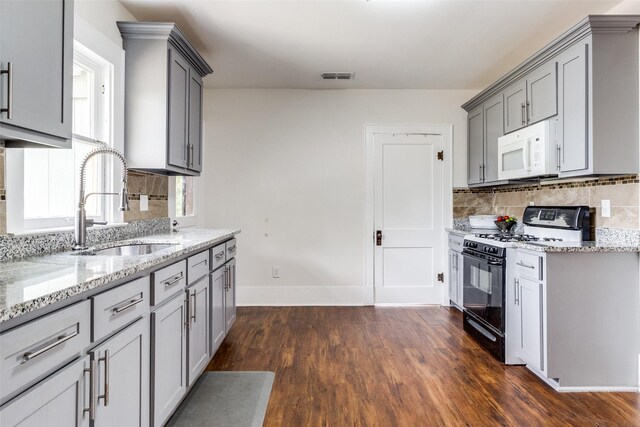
(43, 183)
(183, 196)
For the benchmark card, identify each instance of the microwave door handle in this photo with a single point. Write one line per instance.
(525, 154)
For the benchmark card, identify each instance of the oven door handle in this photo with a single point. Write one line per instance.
(500, 264)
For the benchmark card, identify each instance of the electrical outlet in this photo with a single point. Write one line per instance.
(275, 272)
(144, 203)
(606, 208)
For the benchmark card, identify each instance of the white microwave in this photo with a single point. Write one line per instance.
(528, 152)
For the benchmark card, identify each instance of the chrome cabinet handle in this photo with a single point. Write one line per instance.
(480, 172)
(105, 396)
(528, 111)
(186, 312)
(522, 264)
(92, 391)
(201, 262)
(175, 279)
(522, 113)
(232, 249)
(557, 157)
(219, 255)
(9, 108)
(193, 316)
(191, 154)
(29, 355)
(227, 278)
(128, 305)
(516, 285)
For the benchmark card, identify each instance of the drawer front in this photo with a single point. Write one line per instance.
(33, 350)
(529, 265)
(218, 256)
(455, 243)
(197, 266)
(231, 249)
(119, 306)
(167, 281)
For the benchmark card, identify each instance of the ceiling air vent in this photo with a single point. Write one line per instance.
(338, 76)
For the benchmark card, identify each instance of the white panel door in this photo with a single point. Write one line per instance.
(408, 215)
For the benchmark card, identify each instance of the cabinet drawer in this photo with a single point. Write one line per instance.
(231, 249)
(119, 306)
(167, 281)
(218, 256)
(456, 242)
(29, 352)
(197, 266)
(529, 265)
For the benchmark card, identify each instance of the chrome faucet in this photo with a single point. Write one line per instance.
(81, 215)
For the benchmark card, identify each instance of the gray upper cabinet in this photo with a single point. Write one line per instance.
(572, 88)
(475, 129)
(163, 101)
(493, 129)
(515, 100)
(542, 93)
(587, 80)
(532, 98)
(36, 59)
(485, 125)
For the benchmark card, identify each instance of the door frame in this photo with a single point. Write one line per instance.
(446, 204)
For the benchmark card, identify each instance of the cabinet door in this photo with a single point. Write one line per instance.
(178, 102)
(493, 129)
(123, 377)
(531, 346)
(573, 107)
(453, 277)
(475, 144)
(58, 400)
(195, 121)
(230, 296)
(542, 93)
(198, 335)
(515, 100)
(168, 358)
(218, 323)
(36, 37)
(460, 272)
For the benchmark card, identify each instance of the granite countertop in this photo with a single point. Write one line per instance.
(575, 247)
(33, 283)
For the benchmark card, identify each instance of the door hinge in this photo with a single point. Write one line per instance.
(441, 277)
(440, 155)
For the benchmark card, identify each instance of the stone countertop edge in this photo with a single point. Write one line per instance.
(10, 271)
(577, 247)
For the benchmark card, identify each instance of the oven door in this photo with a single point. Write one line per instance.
(483, 291)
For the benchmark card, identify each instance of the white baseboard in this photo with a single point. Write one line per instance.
(300, 295)
(585, 389)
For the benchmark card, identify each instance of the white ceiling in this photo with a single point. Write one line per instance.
(438, 44)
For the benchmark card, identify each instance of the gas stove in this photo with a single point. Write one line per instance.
(500, 239)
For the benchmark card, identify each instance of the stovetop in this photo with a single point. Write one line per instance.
(500, 237)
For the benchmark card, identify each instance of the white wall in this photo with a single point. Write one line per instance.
(288, 168)
(102, 15)
(627, 7)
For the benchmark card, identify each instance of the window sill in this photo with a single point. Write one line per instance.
(47, 231)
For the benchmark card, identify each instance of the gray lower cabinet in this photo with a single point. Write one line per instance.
(164, 99)
(530, 297)
(60, 400)
(218, 291)
(198, 328)
(36, 58)
(122, 377)
(168, 358)
(230, 295)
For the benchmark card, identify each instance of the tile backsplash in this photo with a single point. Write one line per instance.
(621, 191)
(155, 186)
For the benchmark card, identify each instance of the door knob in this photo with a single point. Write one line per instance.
(379, 238)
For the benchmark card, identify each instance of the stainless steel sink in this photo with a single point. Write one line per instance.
(134, 250)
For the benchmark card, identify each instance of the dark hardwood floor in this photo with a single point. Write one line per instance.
(366, 366)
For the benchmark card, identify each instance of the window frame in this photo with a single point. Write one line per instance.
(87, 42)
(190, 221)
